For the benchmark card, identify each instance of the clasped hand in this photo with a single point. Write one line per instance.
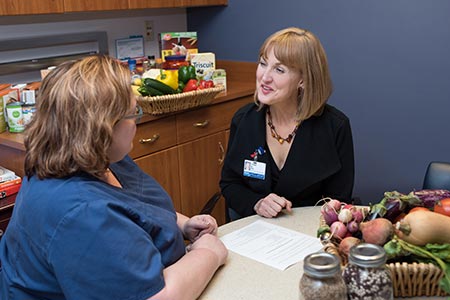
(271, 205)
(199, 225)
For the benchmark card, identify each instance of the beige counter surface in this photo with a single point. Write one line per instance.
(245, 279)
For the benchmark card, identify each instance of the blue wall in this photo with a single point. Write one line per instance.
(390, 64)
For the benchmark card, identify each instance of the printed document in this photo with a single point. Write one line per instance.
(270, 244)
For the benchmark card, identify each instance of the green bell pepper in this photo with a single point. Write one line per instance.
(186, 72)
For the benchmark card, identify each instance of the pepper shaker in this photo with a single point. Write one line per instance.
(322, 279)
(366, 274)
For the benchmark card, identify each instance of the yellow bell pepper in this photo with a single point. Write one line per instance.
(169, 77)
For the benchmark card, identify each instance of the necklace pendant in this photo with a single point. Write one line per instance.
(281, 141)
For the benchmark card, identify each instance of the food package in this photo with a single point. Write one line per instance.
(205, 64)
(7, 96)
(178, 43)
(219, 77)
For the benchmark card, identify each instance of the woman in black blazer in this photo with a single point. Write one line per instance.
(289, 148)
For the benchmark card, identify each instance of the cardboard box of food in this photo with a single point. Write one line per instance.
(219, 78)
(205, 64)
(7, 96)
(178, 43)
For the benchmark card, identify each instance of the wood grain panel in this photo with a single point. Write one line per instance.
(200, 165)
(173, 3)
(89, 5)
(201, 122)
(153, 136)
(26, 7)
(163, 167)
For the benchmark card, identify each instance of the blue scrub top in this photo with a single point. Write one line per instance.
(80, 238)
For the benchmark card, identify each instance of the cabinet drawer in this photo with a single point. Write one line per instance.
(153, 136)
(199, 123)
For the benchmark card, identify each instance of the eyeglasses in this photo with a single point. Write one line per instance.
(137, 114)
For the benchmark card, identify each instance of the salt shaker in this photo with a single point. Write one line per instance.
(322, 279)
(366, 274)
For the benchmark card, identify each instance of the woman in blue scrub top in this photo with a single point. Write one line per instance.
(300, 148)
(88, 223)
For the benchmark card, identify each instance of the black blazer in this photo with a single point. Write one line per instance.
(320, 162)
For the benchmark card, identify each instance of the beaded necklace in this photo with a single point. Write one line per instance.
(274, 132)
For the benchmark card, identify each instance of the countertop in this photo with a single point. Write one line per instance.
(240, 83)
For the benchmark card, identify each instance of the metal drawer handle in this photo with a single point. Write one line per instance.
(153, 139)
(201, 124)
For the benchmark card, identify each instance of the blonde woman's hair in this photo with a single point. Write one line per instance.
(301, 50)
(78, 105)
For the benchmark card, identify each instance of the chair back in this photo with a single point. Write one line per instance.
(437, 176)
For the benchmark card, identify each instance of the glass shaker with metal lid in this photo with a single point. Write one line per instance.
(366, 274)
(322, 279)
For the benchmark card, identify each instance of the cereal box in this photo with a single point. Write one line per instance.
(178, 43)
(205, 64)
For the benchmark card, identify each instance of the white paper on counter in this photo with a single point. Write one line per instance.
(270, 244)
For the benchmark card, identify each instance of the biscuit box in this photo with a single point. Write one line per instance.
(178, 43)
(205, 64)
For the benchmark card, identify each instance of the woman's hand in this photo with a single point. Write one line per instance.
(213, 244)
(199, 225)
(271, 205)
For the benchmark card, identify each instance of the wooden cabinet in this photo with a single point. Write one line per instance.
(189, 169)
(200, 164)
(89, 5)
(26, 7)
(133, 4)
(184, 152)
(163, 166)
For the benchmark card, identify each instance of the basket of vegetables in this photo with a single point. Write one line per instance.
(414, 230)
(174, 90)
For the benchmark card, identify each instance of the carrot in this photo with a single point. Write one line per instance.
(422, 227)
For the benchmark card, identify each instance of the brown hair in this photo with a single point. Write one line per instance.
(78, 105)
(301, 50)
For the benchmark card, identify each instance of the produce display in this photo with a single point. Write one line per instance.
(412, 227)
(159, 82)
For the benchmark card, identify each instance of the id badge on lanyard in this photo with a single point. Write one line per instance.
(254, 168)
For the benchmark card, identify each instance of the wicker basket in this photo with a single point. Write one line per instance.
(158, 105)
(408, 279)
